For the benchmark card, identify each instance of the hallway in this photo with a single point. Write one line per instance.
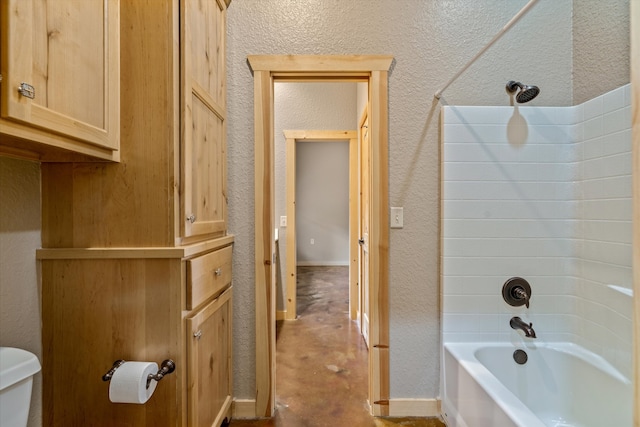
(321, 361)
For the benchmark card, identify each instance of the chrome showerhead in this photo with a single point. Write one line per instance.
(526, 94)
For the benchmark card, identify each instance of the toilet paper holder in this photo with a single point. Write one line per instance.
(166, 367)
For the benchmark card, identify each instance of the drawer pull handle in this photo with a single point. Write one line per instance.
(218, 271)
(191, 218)
(197, 335)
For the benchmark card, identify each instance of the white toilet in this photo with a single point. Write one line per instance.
(17, 368)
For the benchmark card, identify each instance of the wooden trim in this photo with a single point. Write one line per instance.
(353, 227)
(291, 255)
(321, 77)
(336, 65)
(379, 244)
(429, 408)
(291, 136)
(48, 146)
(124, 253)
(244, 408)
(264, 69)
(635, 114)
(264, 244)
(320, 135)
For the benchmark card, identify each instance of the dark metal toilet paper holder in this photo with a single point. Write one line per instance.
(166, 367)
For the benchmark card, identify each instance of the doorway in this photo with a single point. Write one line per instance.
(291, 138)
(371, 69)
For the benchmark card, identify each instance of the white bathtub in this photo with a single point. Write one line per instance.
(561, 385)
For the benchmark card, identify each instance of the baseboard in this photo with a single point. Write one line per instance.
(322, 263)
(414, 408)
(281, 314)
(244, 408)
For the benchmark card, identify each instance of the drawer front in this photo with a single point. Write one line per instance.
(208, 275)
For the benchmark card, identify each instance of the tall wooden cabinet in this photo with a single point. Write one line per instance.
(60, 79)
(136, 259)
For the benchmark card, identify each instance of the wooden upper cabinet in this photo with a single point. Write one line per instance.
(60, 74)
(203, 118)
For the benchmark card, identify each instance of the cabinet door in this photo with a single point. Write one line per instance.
(203, 175)
(60, 67)
(209, 367)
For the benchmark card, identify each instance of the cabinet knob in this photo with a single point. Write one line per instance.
(218, 271)
(197, 335)
(27, 90)
(191, 218)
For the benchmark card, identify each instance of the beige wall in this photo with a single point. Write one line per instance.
(600, 47)
(19, 285)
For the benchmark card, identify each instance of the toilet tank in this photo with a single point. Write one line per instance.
(17, 368)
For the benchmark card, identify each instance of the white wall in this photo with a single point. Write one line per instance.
(544, 194)
(604, 209)
(20, 236)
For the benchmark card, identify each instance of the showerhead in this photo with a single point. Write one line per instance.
(526, 94)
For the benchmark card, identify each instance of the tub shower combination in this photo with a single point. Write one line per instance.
(536, 267)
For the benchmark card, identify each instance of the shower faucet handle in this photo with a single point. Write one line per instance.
(516, 292)
(520, 293)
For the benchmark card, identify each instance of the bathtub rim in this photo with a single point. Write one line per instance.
(465, 355)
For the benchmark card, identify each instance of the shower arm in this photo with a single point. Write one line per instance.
(504, 29)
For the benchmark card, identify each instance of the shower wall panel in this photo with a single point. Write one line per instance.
(508, 210)
(543, 193)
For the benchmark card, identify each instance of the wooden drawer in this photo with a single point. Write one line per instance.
(207, 276)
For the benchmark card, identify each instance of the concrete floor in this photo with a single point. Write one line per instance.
(321, 361)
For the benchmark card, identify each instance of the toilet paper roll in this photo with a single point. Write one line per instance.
(129, 382)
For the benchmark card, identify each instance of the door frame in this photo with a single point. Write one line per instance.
(363, 285)
(320, 136)
(374, 70)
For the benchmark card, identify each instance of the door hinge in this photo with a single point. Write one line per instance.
(27, 90)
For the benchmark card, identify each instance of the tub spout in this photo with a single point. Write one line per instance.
(517, 323)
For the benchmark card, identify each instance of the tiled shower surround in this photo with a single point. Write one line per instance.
(542, 193)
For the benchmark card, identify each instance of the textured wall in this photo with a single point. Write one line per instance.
(600, 47)
(20, 236)
(429, 40)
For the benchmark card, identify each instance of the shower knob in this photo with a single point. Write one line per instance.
(516, 292)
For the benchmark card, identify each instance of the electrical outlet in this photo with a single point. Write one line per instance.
(397, 217)
(283, 221)
(313, 241)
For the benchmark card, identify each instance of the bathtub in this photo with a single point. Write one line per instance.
(561, 385)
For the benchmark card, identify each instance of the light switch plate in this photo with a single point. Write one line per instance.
(397, 217)
(283, 221)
